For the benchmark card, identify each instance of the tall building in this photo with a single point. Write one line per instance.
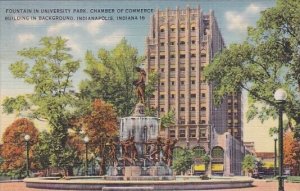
(180, 44)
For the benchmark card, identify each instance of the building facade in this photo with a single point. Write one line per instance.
(180, 44)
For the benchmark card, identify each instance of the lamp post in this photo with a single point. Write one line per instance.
(275, 137)
(280, 97)
(27, 138)
(86, 140)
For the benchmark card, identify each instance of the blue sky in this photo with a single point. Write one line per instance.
(233, 17)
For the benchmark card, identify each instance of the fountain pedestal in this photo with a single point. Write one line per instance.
(160, 171)
(130, 171)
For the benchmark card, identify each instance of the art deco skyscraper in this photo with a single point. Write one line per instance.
(180, 44)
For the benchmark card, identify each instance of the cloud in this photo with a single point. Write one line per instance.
(23, 38)
(112, 39)
(239, 21)
(62, 26)
(253, 9)
(93, 27)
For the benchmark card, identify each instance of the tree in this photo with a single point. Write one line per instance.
(248, 164)
(269, 59)
(13, 150)
(291, 149)
(49, 70)
(183, 160)
(168, 119)
(42, 151)
(111, 75)
(100, 125)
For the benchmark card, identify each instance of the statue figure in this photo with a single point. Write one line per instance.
(140, 84)
(112, 151)
(155, 149)
(129, 150)
(168, 151)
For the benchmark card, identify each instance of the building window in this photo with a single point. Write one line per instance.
(192, 133)
(162, 96)
(203, 95)
(182, 133)
(162, 109)
(193, 109)
(182, 121)
(182, 42)
(172, 133)
(199, 151)
(203, 121)
(193, 81)
(172, 43)
(193, 55)
(162, 69)
(152, 96)
(162, 44)
(172, 29)
(172, 83)
(162, 83)
(172, 96)
(182, 56)
(162, 57)
(172, 69)
(182, 69)
(193, 122)
(217, 152)
(172, 56)
(182, 109)
(182, 82)
(193, 95)
(193, 68)
(203, 108)
(182, 95)
(152, 57)
(202, 133)
(193, 42)
(162, 30)
(182, 29)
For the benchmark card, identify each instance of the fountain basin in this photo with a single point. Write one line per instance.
(137, 183)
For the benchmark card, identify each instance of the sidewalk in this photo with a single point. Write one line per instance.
(258, 185)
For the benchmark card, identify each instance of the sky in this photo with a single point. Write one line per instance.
(233, 17)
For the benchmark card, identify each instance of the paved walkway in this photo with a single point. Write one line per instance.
(258, 185)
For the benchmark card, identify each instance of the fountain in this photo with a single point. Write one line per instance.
(141, 160)
(143, 154)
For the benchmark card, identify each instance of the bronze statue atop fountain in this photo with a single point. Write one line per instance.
(140, 85)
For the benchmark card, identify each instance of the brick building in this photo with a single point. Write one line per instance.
(180, 44)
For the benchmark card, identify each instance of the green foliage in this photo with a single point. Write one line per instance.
(42, 150)
(205, 158)
(168, 119)
(17, 104)
(49, 68)
(151, 85)
(111, 75)
(248, 163)
(268, 60)
(183, 160)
